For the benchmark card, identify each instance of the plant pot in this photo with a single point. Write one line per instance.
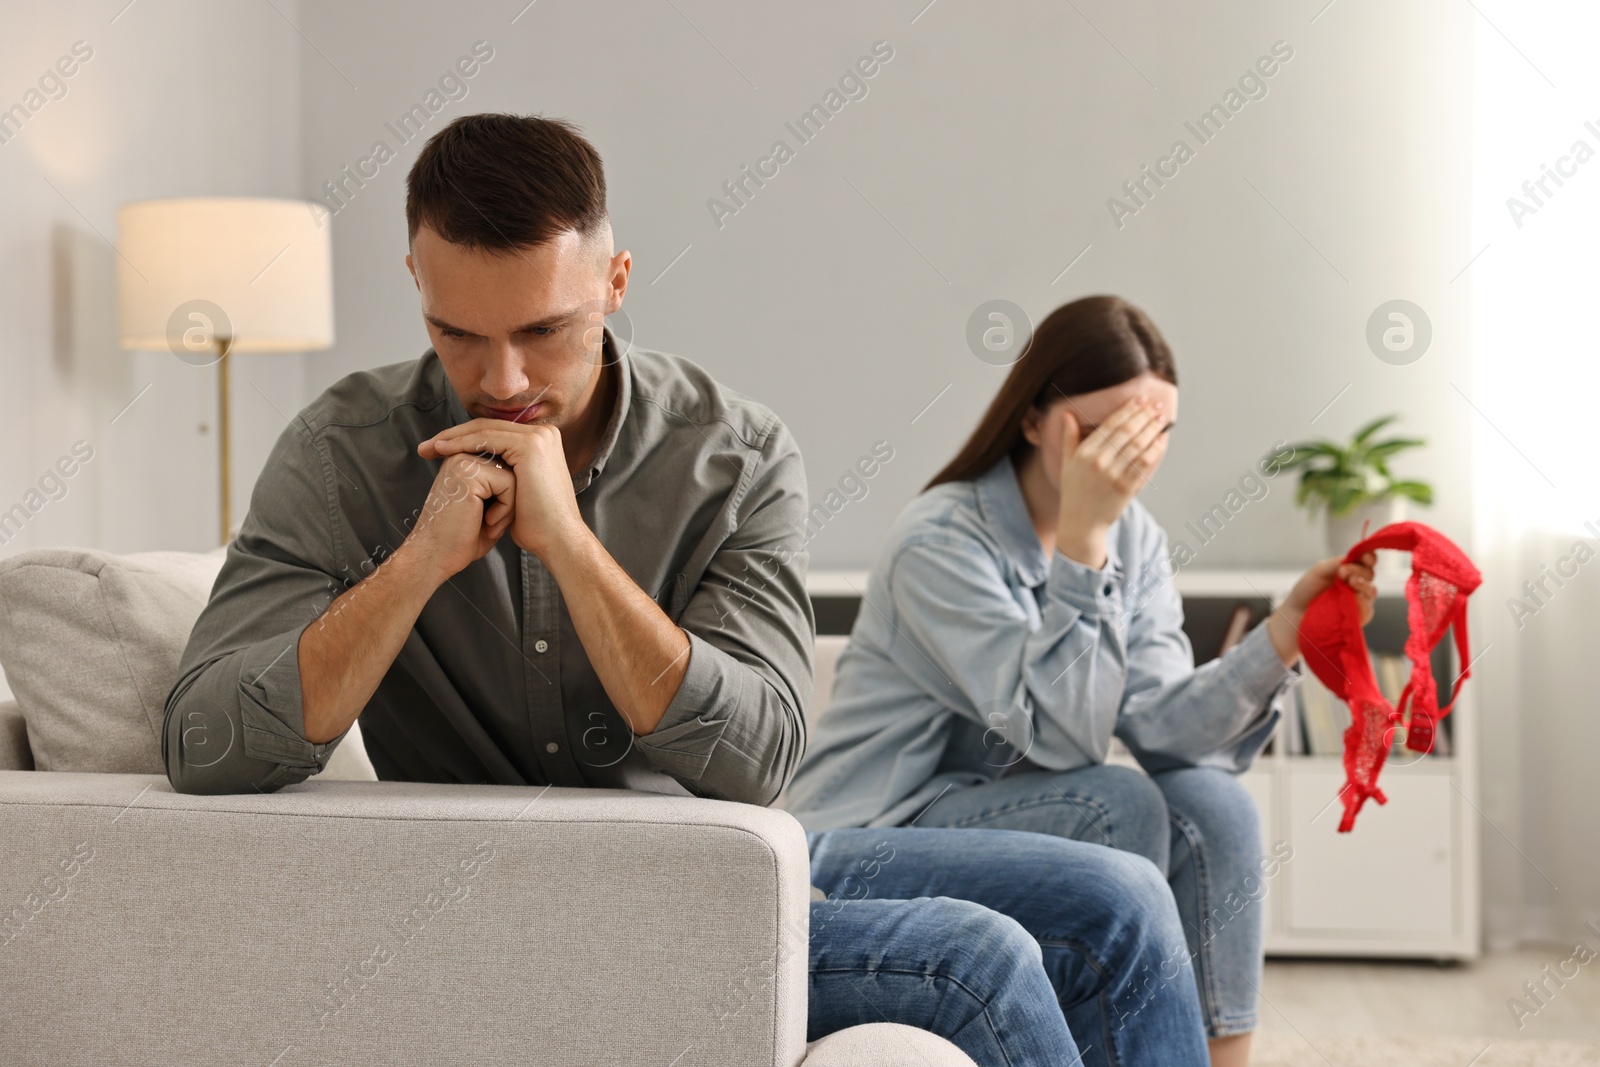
(1344, 531)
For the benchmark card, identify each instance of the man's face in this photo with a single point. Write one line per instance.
(519, 333)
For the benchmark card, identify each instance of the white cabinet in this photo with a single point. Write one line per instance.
(1391, 877)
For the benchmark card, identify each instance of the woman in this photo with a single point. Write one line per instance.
(1023, 613)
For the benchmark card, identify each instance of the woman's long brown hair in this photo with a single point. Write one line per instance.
(1089, 344)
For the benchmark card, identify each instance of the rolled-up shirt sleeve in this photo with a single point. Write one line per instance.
(233, 719)
(1174, 714)
(735, 730)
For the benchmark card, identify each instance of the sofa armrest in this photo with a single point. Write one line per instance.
(384, 922)
(15, 755)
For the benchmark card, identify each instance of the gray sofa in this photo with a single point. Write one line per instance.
(354, 921)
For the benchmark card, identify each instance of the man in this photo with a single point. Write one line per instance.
(569, 562)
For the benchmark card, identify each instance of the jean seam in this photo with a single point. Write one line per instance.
(1101, 823)
(1232, 1026)
(983, 1005)
(1106, 1007)
(1226, 1022)
(1038, 802)
(1211, 1000)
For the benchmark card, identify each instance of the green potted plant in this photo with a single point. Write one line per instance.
(1352, 483)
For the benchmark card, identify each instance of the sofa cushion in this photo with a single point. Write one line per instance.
(826, 659)
(90, 643)
(15, 755)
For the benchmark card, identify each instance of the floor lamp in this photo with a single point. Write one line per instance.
(205, 278)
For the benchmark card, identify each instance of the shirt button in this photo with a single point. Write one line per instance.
(541, 645)
(552, 748)
(1107, 592)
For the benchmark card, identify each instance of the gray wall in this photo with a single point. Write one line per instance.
(978, 165)
(177, 99)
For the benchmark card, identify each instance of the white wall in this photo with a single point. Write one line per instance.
(177, 98)
(978, 166)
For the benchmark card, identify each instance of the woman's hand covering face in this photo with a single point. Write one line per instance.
(1105, 470)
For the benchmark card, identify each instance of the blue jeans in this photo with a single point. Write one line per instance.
(1198, 825)
(1076, 949)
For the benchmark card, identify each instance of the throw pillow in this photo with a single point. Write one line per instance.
(90, 643)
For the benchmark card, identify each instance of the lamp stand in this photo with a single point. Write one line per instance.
(224, 458)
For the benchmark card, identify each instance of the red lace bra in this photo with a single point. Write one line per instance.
(1335, 650)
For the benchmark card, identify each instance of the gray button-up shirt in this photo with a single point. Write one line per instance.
(696, 491)
(976, 654)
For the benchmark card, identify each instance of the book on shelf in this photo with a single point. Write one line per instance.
(1322, 718)
(1238, 623)
(1390, 671)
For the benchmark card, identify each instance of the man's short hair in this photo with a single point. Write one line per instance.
(499, 182)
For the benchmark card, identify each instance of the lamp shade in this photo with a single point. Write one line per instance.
(257, 271)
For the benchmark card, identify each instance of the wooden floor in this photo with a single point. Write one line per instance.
(1467, 1000)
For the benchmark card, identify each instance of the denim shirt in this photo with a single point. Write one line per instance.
(975, 654)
